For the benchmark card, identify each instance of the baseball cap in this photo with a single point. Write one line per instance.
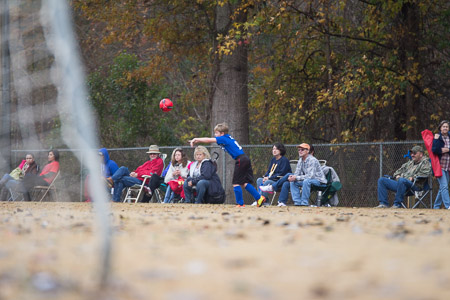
(304, 145)
(417, 149)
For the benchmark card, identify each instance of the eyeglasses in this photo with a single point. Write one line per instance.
(153, 153)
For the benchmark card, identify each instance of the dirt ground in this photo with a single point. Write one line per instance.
(181, 251)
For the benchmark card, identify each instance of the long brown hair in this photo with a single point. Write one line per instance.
(184, 158)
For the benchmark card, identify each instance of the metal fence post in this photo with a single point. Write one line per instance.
(81, 175)
(381, 160)
(224, 169)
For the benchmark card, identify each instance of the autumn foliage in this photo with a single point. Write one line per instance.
(318, 71)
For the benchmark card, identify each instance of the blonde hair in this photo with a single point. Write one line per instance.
(221, 127)
(202, 149)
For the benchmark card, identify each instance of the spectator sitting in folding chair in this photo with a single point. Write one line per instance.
(27, 166)
(278, 167)
(308, 173)
(107, 167)
(203, 177)
(45, 178)
(403, 178)
(176, 175)
(123, 178)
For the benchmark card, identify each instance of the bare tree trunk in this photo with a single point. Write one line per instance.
(229, 96)
(410, 48)
(405, 106)
(336, 113)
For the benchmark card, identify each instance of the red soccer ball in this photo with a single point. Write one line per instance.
(166, 104)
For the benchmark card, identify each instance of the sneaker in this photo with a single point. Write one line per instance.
(254, 203)
(396, 206)
(266, 188)
(261, 200)
(147, 190)
(281, 204)
(238, 205)
(381, 206)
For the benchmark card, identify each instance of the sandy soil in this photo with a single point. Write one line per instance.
(176, 251)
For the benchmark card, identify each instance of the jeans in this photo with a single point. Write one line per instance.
(122, 179)
(6, 178)
(442, 195)
(201, 188)
(259, 182)
(169, 195)
(401, 186)
(284, 185)
(303, 198)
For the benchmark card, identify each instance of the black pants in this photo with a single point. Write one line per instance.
(155, 182)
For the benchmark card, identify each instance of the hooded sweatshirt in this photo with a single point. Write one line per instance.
(109, 167)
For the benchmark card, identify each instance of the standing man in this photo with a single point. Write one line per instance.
(307, 174)
(418, 166)
(123, 178)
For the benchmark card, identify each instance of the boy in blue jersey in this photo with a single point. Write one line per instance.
(243, 172)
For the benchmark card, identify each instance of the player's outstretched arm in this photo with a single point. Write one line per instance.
(206, 140)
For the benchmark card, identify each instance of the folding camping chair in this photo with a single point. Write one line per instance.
(325, 193)
(135, 192)
(14, 195)
(45, 189)
(425, 187)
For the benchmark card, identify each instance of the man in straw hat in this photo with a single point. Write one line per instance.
(402, 181)
(123, 178)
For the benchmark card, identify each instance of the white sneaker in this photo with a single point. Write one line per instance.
(254, 203)
(266, 188)
(281, 204)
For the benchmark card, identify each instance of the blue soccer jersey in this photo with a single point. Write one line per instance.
(227, 143)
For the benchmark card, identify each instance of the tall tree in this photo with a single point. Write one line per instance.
(174, 40)
(319, 71)
(230, 71)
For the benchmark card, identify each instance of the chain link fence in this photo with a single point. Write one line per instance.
(359, 165)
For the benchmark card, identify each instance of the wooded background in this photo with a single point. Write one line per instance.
(289, 71)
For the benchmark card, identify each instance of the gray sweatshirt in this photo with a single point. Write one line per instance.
(309, 169)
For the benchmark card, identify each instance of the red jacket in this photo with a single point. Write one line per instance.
(150, 167)
(428, 137)
(50, 170)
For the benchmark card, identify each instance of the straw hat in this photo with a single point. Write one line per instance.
(153, 149)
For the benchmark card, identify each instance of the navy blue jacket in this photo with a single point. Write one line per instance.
(438, 144)
(215, 192)
(282, 168)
